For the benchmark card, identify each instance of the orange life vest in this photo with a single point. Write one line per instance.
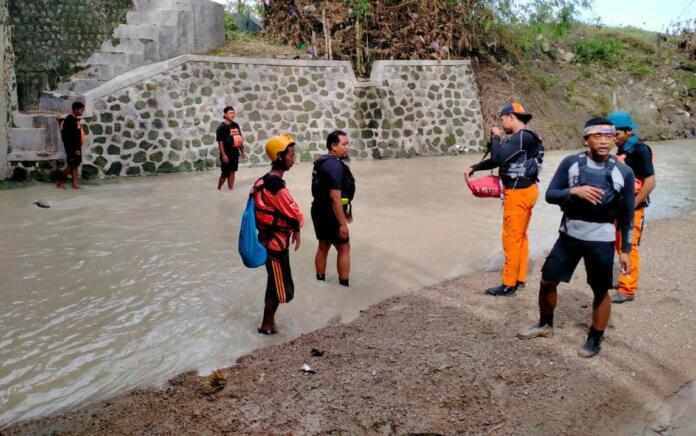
(271, 223)
(237, 140)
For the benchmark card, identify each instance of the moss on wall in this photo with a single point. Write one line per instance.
(51, 37)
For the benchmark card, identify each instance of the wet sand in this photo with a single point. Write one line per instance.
(445, 359)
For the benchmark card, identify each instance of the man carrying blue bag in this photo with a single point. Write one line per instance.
(278, 220)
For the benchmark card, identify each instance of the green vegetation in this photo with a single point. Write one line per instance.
(607, 51)
(691, 86)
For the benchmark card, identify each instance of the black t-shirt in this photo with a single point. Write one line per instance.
(224, 134)
(330, 176)
(640, 160)
(71, 134)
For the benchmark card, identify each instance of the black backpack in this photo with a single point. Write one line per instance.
(320, 191)
(607, 210)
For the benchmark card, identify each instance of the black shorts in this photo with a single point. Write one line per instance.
(73, 160)
(227, 168)
(326, 224)
(566, 254)
(279, 287)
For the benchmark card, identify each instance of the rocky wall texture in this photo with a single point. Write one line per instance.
(51, 37)
(7, 86)
(166, 122)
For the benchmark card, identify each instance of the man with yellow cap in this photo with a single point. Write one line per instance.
(278, 220)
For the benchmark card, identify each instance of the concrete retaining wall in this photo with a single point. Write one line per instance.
(162, 117)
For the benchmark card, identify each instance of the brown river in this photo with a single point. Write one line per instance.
(129, 282)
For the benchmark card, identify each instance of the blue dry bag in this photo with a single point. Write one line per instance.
(252, 252)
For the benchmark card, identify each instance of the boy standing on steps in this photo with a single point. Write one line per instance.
(73, 137)
(595, 192)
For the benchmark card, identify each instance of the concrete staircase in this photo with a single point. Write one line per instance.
(154, 31)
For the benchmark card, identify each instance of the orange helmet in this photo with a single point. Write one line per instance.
(277, 145)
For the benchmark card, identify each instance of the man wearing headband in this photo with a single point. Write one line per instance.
(519, 158)
(595, 192)
(638, 156)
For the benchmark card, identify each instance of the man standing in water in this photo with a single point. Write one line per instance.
(519, 158)
(333, 188)
(278, 219)
(638, 156)
(73, 137)
(230, 145)
(595, 192)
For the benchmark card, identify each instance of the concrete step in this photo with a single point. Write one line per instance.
(154, 17)
(23, 120)
(78, 86)
(140, 31)
(59, 102)
(158, 5)
(115, 59)
(124, 45)
(103, 73)
(36, 119)
(28, 139)
(35, 156)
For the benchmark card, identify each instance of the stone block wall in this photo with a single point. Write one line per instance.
(52, 36)
(7, 86)
(162, 118)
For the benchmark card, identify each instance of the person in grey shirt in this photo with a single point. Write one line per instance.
(595, 192)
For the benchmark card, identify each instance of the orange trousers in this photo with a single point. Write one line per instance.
(628, 283)
(517, 212)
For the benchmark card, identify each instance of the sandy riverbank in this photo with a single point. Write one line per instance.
(445, 359)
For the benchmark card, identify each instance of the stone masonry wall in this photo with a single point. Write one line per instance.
(7, 86)
(166, 121)
(52, 36)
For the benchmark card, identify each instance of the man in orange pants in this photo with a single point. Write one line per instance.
(519, 158)
(638, 156)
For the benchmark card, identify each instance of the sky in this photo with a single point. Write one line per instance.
(652, 15)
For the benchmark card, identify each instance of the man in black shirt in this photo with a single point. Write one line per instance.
(231, 145)
(333, 188)
(73, 139)
(638, 156)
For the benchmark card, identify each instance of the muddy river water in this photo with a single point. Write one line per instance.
(130, 282)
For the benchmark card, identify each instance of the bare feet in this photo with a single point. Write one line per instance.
(60, 185)
(267, 331)
(74, 187)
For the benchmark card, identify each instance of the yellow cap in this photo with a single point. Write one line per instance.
(278, 144)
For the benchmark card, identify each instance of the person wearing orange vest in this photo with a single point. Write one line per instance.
(73, 136)
(519, 157)
(230, 146)
(278, 220)
(638, 156)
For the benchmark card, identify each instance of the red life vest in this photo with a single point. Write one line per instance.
(274, 226)
(237, 140)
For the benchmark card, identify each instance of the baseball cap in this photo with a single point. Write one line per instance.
(517, 109)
